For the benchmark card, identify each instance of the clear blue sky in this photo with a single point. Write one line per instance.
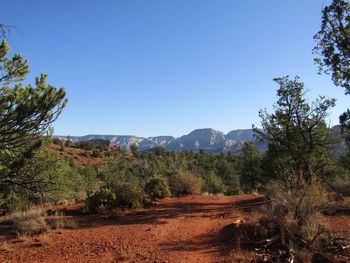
(167, 67)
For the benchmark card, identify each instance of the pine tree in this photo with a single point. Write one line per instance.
(250, 167)
(26, 113)
(299, 141)
(333, 43)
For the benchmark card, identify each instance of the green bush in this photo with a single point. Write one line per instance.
(130, 196)
(232, 184)
(12, 202)
(124, 195)
(101, 201)
(96, 153)
(185, 183)
(214, 184)
(157, 188)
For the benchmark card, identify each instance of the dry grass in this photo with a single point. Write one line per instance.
(31, 226)
(337, 205)
(29, 223)
(61, 222)
(43, 240)
(251, 228)
(298, 206)
(6, 246)
(23, 237)
(35, 223)
(292, 222)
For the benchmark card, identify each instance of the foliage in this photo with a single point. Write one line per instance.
(299, 141)
(57, 219)
(214, 184)
(92, 145)
(157, 188)
(96, 153)
(185, 183)
(219, 173)
(333, 43)
(12, 202)
(299, 159)
(26, 113)
(148, 175)
(250, 166)
(228, 170)
(130, 196)
(119, 170)
(333, 49)
(60, 180)
(31, 222)
(101, 201)
(89, 175)
(122, 195)
(296, 207)
(134, 149)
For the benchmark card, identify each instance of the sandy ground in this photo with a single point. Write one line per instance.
(184, 229)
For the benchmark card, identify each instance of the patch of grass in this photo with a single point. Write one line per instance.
(23, 237)
(61, 222)
(29, 223)
(6, 246)
(35, 223)
(43, 240)
(57, 220)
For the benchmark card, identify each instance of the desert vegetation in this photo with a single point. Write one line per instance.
(297, 184)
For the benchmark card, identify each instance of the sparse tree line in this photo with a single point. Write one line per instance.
(298, 172)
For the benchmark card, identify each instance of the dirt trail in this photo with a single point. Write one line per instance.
(185, 229)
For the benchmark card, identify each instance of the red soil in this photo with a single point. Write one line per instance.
(81, 157)
(184, 229)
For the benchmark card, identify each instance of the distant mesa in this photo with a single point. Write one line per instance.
(209, 140)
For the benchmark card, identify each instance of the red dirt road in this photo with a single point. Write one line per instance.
(185, 229)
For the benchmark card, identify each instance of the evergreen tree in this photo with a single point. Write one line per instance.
(299, 141)
(250, 169)
(333, 43)
(333, 50)
(26, 113)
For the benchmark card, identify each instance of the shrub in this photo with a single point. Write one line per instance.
(6, 246)
(96, 153)
(185, 183)
(43, 240)
(123, 195)
(29, 223)
(129, 195)
(214, 184)
(297, 206)
(233, 185)
(58, 220)
(101, 201)
(16, 202)
(157, 188)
